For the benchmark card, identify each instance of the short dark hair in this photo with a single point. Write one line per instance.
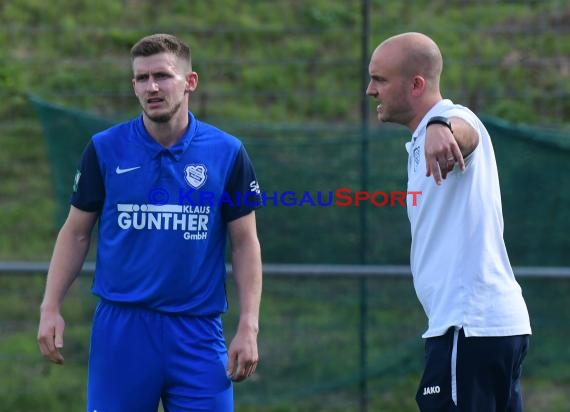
(161, 43)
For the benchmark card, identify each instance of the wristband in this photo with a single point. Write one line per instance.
(440, 120)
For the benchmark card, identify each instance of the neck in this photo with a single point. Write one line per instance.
(422, 110)
(167, 134)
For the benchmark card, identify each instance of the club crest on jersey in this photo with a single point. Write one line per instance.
(196, 175)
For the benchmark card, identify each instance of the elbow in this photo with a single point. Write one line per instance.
(249, 244)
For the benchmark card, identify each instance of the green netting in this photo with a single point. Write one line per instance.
(534, 168)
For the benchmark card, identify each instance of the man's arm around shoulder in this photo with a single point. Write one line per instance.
(465, 135)
(444, 147)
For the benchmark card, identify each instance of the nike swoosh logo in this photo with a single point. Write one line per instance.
(120, 171)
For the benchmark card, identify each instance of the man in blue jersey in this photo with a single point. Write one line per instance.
(167, 190)
(478, 323)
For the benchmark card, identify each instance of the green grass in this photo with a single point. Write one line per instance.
(308, 347)
(26, 198)
(285, 61)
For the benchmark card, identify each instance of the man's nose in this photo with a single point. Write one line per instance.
(152, 85)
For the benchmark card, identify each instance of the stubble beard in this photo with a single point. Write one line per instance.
(165, 117)
(399, 112)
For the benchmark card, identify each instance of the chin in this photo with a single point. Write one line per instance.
(161, 118)
(158, 117)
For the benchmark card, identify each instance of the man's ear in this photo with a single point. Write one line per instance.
(418, 85)
(191, 82)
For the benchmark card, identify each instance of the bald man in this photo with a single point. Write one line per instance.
(478, 323)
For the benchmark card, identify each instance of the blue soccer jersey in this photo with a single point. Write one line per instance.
(164, 214)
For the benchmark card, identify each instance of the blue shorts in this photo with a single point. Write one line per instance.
(472, 374)
(140, 357)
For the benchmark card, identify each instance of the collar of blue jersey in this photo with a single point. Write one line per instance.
(154, 148)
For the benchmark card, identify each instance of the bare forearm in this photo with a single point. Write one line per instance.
(243, 355)
(69, 252)
(466, 136)
(68, 256)
(246, 266)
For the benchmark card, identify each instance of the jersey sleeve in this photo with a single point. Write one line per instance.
(88, 187)
(465, 114)
(242, 189)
